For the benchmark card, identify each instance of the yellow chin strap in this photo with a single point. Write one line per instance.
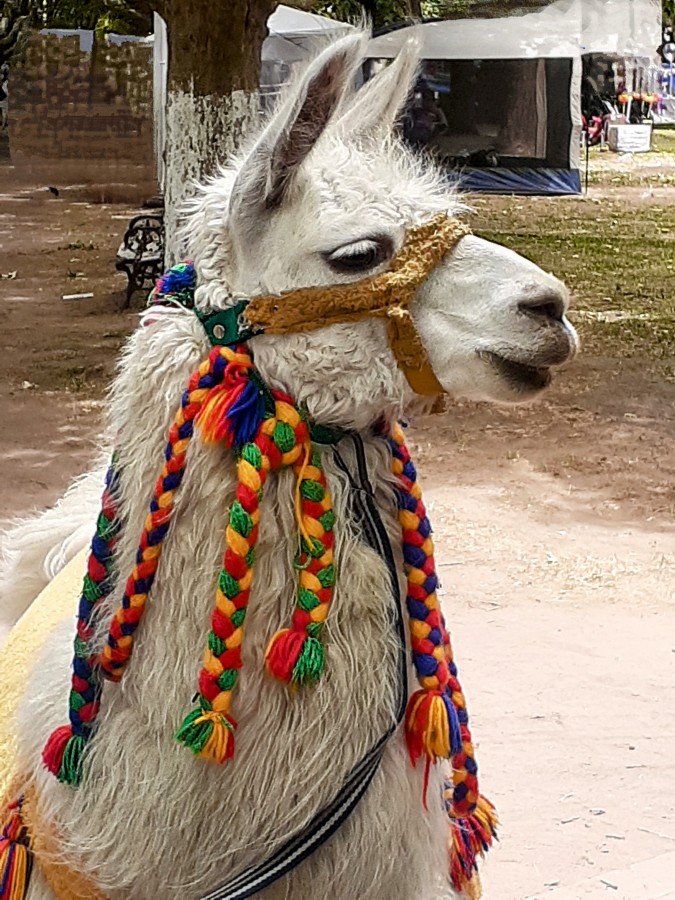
(386, 296)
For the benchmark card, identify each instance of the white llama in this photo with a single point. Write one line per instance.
(327, 195)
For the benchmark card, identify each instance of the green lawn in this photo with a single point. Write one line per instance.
(656, 168)
(617, 255)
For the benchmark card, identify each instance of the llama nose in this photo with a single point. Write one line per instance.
(547, 304)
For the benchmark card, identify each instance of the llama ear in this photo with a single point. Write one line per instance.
(265, 175)
(375, 108)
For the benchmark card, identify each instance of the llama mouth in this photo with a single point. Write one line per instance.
(520, 375)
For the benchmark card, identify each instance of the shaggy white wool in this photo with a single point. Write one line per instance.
(35, 548)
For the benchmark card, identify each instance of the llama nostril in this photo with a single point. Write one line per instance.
(547, 305)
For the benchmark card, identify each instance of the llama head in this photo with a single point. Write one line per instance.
(326, 195)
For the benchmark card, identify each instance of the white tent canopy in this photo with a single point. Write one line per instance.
(295, 35)
(294, 23)
(511, 86)
(565, 28)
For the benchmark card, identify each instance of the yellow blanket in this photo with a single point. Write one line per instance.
(58, 601)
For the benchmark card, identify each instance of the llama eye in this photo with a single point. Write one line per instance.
(361, 256)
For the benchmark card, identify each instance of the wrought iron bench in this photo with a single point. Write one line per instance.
(141, 253)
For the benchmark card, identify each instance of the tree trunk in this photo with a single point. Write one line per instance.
(521, 133)
(93, 73)
(212, 92)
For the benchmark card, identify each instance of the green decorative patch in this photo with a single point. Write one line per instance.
(228, 679)
(90, 589)
(327, 520)
(252, 455)
(284, 437)
(216, 646)
(240, 519)
(307, 600)
(312, 490)
(327, 576)
(238, 617)
(228, 585)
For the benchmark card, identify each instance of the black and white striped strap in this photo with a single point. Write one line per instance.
(258, 877)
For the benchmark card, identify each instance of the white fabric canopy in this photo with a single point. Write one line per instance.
(296, 35)
(291, 22)
(565, 28)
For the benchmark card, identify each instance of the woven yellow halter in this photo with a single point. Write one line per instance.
(387, 295)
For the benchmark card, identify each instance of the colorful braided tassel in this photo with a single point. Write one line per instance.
(437, 722)
(296, 654)
(64, 750)
(16, 858)
(229, 403)
(117, 652)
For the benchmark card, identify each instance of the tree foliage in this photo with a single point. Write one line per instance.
(16, 19)
(387, 12)
(390, 12)
(121, 16)
(668, 7)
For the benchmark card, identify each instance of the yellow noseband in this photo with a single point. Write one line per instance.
(387, 296)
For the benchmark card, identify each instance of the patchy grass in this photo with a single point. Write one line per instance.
(616, 255)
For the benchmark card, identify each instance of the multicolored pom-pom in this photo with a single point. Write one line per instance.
(208, 734)
(295, 657)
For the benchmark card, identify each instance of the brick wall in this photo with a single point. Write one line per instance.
(83, 114)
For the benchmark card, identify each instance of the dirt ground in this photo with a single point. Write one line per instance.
(554, 523)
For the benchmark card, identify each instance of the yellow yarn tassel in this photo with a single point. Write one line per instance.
(474, 889)
(209, 734)
(428, 726)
